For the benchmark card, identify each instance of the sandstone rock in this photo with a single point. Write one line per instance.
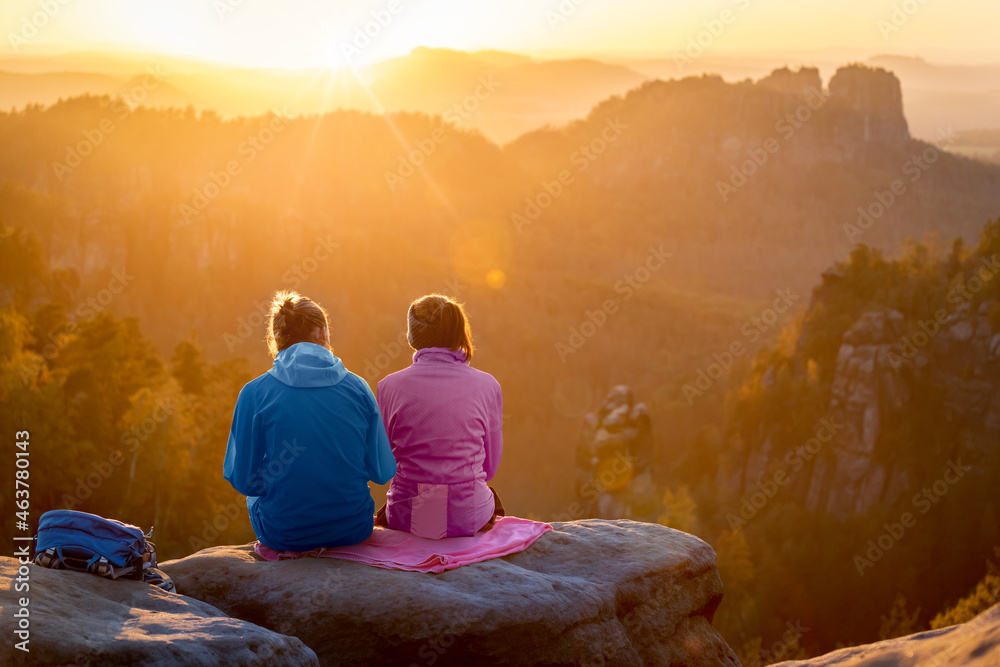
(614, 451)
(972, 644)
(819, 484)
(983, 329)
(898, 487)
(961, 330)
(588, 592)
(797, 83)
(992, 420)
(866, 388)
(875, 97)
(756, 467)
(883, 365)
(80, 619)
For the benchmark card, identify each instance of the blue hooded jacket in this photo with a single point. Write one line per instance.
(307, 437)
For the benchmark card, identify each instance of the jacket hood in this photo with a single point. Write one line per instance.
(307, 365)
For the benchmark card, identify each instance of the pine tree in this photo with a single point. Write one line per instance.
(899, 622)
(679, 510)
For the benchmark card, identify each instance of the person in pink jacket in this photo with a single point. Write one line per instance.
(444, 422)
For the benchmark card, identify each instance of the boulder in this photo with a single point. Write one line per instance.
(81, 619)
(972, 644)
(587, 592)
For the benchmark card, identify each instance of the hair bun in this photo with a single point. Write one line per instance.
(294, 319)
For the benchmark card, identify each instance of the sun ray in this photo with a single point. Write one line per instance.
(405, 144)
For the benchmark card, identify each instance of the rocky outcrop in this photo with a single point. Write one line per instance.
(882, 363)
(586, 593)
(614, 460)
(972, 644)
(784, 80)
(688, 133)
(81, 619)
(865, 390)
(874, 102)
(878, 369)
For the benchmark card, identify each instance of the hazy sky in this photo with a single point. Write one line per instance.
(290, 33)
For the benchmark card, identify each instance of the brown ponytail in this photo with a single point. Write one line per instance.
(439, 321)
(294, 319)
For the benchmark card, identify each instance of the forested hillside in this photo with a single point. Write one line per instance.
(859, 456)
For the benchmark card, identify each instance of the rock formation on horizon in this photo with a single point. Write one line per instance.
(876, 99)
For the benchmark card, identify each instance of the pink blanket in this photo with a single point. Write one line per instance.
(397, 550)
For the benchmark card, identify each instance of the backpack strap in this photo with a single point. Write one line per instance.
(78, 562)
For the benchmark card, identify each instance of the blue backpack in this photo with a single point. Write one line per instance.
(85, 542)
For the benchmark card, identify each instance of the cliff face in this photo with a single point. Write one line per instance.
(859, 114)
(876, 368)
(865, 390)
(951, 365)
(873, 101)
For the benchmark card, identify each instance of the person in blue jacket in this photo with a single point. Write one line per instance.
(307, 437)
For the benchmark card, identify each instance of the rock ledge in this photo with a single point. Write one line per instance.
(587, 592)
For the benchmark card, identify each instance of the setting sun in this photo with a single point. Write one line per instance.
(308, 34)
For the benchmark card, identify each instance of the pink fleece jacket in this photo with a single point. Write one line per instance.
(444, 422)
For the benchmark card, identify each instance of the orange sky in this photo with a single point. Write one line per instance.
(316, 32)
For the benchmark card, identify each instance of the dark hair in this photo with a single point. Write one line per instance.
(294, 319)
(436, 320)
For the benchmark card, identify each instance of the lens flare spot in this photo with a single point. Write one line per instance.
(496, 278)
(480, 251)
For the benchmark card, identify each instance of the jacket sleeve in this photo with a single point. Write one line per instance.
(380, 462)
(245, 452)
(494, 434)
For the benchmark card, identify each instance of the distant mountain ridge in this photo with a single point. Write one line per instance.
(531, 93)
(540, 91)
(782, 166)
